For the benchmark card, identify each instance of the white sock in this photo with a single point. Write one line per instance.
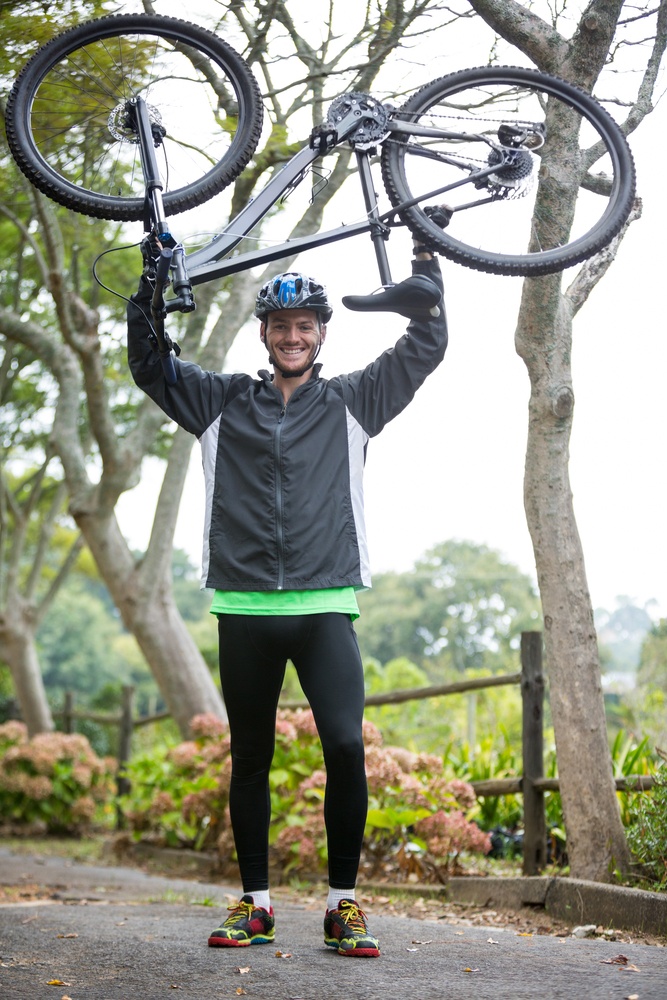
(261, 898)
(335, 896)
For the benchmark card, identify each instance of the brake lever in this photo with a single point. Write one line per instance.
(159, 312)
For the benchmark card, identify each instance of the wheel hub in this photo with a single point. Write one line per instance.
(122, 123)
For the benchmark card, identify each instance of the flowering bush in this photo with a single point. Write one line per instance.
(178, 794)
(420, 822)
(179, 797)
(54, 779)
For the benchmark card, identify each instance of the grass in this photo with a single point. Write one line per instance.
(91, 849)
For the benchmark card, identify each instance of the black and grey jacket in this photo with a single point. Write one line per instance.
(284, 491)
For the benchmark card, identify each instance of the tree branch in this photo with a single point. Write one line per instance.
(531, 34)
(593, 270)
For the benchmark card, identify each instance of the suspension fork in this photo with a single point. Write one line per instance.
(379, 231)
(138, 110)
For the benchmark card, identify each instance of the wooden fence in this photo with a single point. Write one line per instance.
(532, 784)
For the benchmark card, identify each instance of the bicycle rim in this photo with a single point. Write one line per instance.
(68, 129)
(565, 198)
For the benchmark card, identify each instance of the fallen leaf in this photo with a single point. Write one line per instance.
(242, 969)
(431, 941)
(523, 934)
(633, 996)
(67, 935)
(460, 933)
(57, 982)
(175, 986)
(630, 968)
(65, 997)
(468, 969)
(491, 941)
(283, 954)
(619, 960)
(240, 991)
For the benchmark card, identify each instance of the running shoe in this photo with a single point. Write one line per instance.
(345, 929)
(246, 924)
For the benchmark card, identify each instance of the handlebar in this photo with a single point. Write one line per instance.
(159, 312)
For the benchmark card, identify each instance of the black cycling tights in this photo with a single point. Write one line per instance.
(253, 655)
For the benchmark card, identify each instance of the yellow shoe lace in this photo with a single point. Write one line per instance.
(236, 910)
(354, 916)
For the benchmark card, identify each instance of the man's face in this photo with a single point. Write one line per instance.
(292, 337)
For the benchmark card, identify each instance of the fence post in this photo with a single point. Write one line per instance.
(532, 696)
(125, 737)
(68, 712)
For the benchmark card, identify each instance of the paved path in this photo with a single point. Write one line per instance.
(119, 934)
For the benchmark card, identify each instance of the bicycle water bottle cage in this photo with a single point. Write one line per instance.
(359, 118)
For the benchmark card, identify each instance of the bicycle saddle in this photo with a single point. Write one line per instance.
(415, 298)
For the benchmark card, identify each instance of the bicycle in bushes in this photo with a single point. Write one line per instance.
(140, 117)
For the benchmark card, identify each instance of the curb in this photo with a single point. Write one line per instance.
(573, 901)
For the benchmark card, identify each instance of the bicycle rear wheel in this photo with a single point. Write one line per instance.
(70, 134)
(545, 210)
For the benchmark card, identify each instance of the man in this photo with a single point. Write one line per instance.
(285, 552)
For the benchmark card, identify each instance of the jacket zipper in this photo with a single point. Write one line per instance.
(280, 527)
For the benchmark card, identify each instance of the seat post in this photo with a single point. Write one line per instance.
(379, 231)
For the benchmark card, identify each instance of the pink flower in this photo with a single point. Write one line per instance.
(405, 759)
(215, 753)
(39, 788)
(429, 762)
(185, 755)
(317, 779)
(286, 730)
(162, 803)
(13, 732)
(207, 726)
(382, 771)
(302, 720)
(448, 833)
(197, 804)
(83, 809)
(372, 735)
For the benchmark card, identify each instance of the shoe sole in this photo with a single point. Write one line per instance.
(216, 942)
(353, 952)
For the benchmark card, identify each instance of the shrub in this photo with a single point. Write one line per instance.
(54, 780)
(179, 798)
(647, 832)
(178, 794)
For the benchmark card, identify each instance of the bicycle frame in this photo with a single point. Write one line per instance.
(207, 263)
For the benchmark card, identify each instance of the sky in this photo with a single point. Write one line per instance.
(451, 465)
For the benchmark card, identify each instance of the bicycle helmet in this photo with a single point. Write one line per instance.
(293, 290)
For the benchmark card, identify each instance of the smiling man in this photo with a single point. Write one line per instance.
(285, 553)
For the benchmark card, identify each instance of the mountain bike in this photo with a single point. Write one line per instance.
(139, 117)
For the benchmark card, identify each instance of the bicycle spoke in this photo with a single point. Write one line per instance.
(526, 143)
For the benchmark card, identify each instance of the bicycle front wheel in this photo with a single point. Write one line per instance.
(565, 181)
(70, 133)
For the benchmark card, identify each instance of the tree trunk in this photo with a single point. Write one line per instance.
(17, 650)
(595, 837)
(148, 611)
